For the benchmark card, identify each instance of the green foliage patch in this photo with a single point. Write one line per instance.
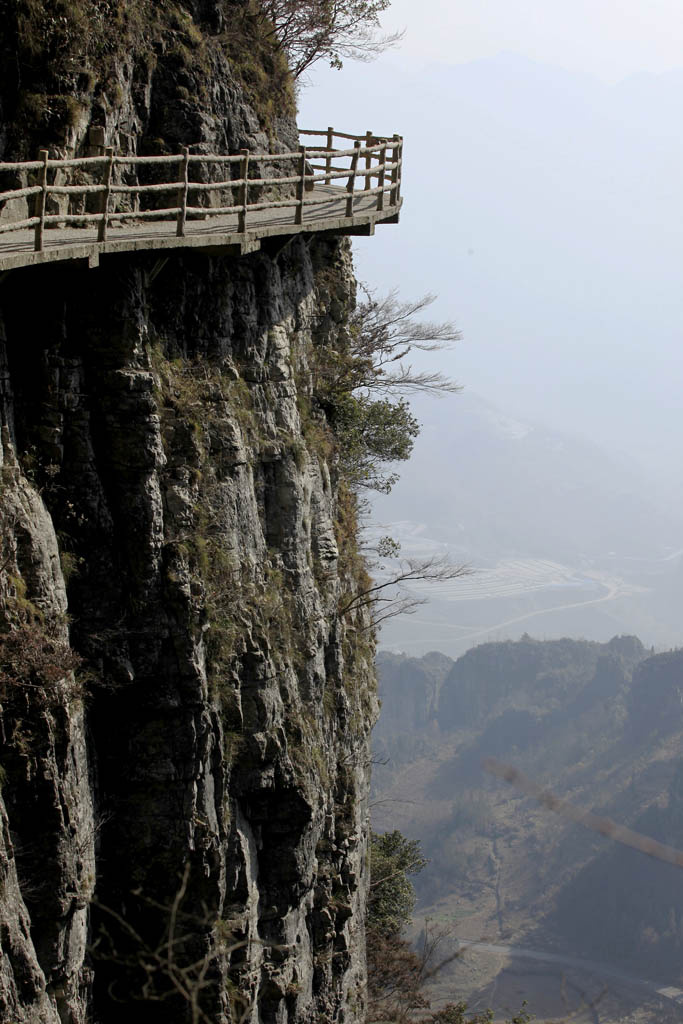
(392, 897)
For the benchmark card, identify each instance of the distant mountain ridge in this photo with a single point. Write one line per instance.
(499, 485)
(491, 678)
(598, 724)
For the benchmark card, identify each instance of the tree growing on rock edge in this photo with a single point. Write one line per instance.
(397, 971)
(330, 30)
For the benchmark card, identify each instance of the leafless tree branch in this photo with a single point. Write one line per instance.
(166, 971)
(435, 569)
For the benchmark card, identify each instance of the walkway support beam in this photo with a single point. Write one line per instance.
(301, 188)
(395, 154)
(243, 195)
(351, 184)
(369, 139)
(328, 158)
(380, 183)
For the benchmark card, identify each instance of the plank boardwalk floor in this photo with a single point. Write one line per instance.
(211, 233)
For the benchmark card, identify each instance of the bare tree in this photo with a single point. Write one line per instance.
(383, 332)
(399, 974)
(391, 596)
(362, 385)
(331, 30)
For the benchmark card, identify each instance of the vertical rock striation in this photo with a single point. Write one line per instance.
(167, 429)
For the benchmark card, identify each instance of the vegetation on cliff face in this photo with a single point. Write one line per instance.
(362, 385)
(68, 64)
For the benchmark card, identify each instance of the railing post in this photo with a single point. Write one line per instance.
(393, 195)
(104, 205)
(182, 194)
(400, 169)
(328, 158)
(369, 137)
(41, 202)
(351, 183)
(380, 176)
(301, 188)
(243, 194)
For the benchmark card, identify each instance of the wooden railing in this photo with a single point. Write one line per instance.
(102, 191)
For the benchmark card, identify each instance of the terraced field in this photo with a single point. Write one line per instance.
(596, 597)
(517, 576)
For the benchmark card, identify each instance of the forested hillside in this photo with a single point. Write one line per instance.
(598, 724)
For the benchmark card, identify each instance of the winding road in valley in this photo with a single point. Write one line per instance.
(600, 970)
(615, 588)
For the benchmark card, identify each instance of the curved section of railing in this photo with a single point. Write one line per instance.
(104, 191)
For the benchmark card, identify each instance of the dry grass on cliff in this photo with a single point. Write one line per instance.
(70, 54)
(34, 661)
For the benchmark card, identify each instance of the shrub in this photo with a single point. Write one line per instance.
(33, 659)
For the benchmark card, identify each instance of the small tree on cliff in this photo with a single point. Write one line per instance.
(364, 386)
(331, 30)
(397, 971)
(361, 387)
(385, 330)
(391, 595)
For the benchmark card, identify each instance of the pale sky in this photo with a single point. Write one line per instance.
(560, 250)
(543, 205)
(608, 38)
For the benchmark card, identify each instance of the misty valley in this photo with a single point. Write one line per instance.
(539, 907)
(565, 537)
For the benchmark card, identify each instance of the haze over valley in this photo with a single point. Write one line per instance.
(548, 227)
(564, 538)
(549, 211)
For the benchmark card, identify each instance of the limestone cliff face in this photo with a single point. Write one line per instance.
(184, 714)
(219, 720)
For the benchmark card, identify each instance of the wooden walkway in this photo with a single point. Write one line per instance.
(81, 209)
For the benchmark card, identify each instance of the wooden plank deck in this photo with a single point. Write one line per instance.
(75, 243)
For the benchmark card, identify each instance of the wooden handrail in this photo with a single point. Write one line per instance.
(372, 158)
(328, 159)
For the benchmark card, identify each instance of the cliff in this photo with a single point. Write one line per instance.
(184, 714)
